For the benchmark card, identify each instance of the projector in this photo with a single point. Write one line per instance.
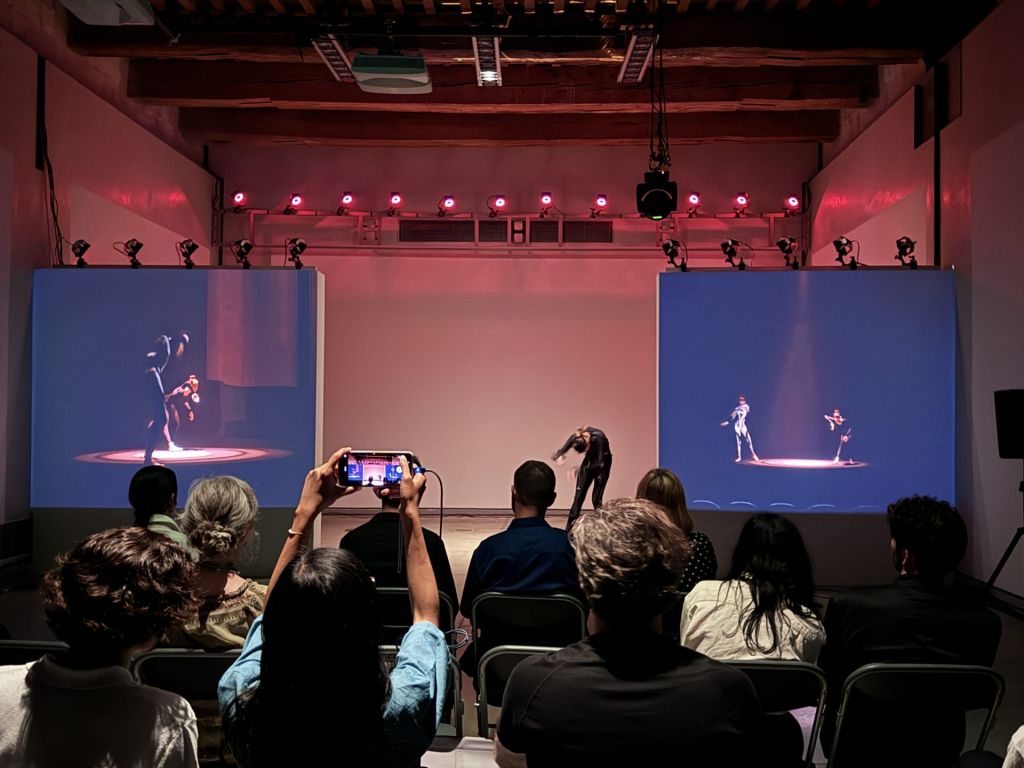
(393, 74)
(111, 13)
(656, 197)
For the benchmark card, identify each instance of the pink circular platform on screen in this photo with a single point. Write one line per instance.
(805, 464)
(184, 456)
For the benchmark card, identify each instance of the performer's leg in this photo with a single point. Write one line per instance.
(739, 449)
(600, 481)
(157, 415)
(583, 479)
(838, 451)
(750, 444)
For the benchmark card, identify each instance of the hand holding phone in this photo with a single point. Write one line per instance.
(377, 469)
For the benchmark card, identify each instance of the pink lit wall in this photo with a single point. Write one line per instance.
(481, 360)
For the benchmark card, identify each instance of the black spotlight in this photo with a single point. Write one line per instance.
(185, 250)
(241, 249)
(131, 250)
(656, 197)
(905, 252)
(729, 249)
(78, 248)
(787, 245)
(671, 249)
(844, 246)
(296, 245)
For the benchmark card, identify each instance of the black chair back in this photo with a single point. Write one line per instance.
(26, 651)
(494, 670)
(396, 613)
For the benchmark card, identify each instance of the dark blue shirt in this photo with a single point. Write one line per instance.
(529, 557)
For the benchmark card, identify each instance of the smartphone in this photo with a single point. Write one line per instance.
(378, 469)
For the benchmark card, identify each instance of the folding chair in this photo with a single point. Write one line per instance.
(24, 651)
(494, 670)
(396, 613)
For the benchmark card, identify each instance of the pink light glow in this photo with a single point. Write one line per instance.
(396, 199)
(546, 199)
(347, 199)
(793, 202)
(296, 201)
(742, 201)
(238, 198)
(448, 202)
(500, 202)
(694, 199)
(601, 201)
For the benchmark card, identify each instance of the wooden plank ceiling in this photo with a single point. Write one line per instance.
(745, 70)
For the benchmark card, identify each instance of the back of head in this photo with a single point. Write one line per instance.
(324, 598)
(219, 515)
(153, 490)
(664, 488)
(534, 484)
(630, 559)
(117, 589)
(932, 531)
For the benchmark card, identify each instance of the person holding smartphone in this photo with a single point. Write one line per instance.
(309, 687)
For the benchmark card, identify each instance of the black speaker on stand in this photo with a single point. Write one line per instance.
(1010, 434)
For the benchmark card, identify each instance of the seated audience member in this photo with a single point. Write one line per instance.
(219, 518)
(153, 494)
(765, 607)
(379, 544)
(663, 487)
(529, 557)
(627, 695)
(915, 619)
(108, 599)
(310, 687)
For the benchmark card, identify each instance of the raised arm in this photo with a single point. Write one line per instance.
(426, 605)
(565, 447)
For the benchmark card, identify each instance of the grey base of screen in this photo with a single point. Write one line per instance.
(58, 530)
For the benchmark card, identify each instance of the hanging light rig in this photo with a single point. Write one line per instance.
(656, 196)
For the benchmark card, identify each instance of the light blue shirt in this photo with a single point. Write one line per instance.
(419, 682)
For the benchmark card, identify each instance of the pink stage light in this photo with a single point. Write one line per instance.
(448, 202)
(346, 199)
(238, 198)
(792, 204)
(601, 202)
(694, 199)
(396, 199)
(740, 203)
(500, 202)
(296, 201)
(546, 199)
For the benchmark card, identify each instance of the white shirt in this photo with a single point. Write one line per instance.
(1015, 751)
(713, 613)
(53, 716)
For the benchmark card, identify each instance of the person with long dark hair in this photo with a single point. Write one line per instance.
(765, 608)
(310, 687)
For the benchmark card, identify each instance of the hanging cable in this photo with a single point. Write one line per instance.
(660, 154)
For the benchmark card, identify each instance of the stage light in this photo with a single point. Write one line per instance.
(546, 201)
(905, 252)
(656, 196)
(844, 246)
(793, 205)
(296, 246)
(445, 205)
(787, 245)
(692, 204)
(185, 250)
(740, 203)
(131, 250)
(241, 250)
(729, 248)
(78, 248)
(496, 204)
(395, 203)
(671, 249)
(600, 203)
(294, 203)
(239, 199)
(344, 202)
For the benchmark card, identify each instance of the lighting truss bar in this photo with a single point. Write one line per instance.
(639, 52)
(487, 55)
(332, 54)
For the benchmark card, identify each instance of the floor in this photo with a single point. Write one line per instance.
(21, 615)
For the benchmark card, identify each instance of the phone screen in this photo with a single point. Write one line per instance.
(374, 469)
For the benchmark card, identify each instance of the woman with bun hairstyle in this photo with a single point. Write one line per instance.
(219, 518)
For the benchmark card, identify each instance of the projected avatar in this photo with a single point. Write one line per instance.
(837, 421)
(156, 360)
(596, 466)
(739, 418)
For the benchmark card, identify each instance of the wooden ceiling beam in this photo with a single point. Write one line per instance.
(362, 129)
(526, 89)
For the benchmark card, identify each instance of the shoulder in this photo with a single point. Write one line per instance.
(712, 590)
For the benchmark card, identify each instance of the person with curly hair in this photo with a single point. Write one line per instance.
(218, 519)
(109, 599)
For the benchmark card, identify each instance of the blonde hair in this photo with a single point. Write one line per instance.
(219, 514)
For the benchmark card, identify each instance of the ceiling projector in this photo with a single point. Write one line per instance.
(656, 196)
(391, 73)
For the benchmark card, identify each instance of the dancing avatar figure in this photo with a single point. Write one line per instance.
(596, 466)
(837, 420)
(739, 419)
(156, 360)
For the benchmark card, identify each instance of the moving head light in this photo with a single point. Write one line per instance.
(656, 196)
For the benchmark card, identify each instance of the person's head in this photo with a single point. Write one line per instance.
(325, 597)
(929, 537)
(152, 491)
(118, 590)
(533, 489)
(742, 399)
(770, 556)
(663, 487)
(219, 517)
(630, 559)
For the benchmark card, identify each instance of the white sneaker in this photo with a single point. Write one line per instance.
(172, 447)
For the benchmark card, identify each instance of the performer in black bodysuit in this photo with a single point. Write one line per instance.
(157, 359)
(596, 466)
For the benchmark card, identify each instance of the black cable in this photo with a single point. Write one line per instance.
(440, 484)
(44, 147)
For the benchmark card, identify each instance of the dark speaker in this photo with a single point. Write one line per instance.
(1010, 423)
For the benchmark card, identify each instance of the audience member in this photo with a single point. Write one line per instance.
(765, 607)
(379, 544)
(915, 619)
(627, 694)
(310, 687)
(529, 557)
(219, 518)
(108, 599)
(153, 494)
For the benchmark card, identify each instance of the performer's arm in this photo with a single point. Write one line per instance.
(565, 448)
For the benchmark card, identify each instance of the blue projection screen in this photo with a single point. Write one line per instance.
(109, 385)
(847, 380)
